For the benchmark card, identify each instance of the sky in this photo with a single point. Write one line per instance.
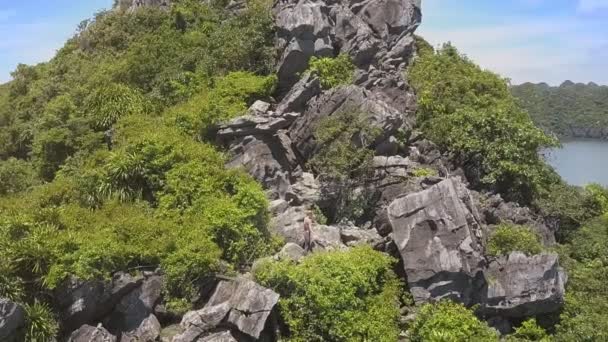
(31, 31)
(524, 40)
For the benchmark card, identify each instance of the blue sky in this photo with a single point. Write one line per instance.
(32, 30)
(525, 40)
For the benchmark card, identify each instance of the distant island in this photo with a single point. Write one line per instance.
(571, 110)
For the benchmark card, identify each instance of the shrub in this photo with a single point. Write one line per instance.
(111, 102)
(509, 238)
(471, 113)
(226, 99)
(333, 72)
(16, 176)
(529, 331)
(40, 324)
(446, 322)
(583, 317)
(344, 161)
(425, 172)
(337, 296)
(565, 208)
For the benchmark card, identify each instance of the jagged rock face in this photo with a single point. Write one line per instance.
(438, 238)
(522, 286)
(345, 99)
(372, 32)
(85, 302)
(87, 333)
(12, 319)
(439, 235)
(133, 5)
(241, 305)
(136, 307)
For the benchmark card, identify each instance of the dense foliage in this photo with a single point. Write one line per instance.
(569, 110)
(337, 296)
(470, 113)
(343, 161)
(508, 238)
(333, 72)
(586, 260)
(449, 322)
(103, 161)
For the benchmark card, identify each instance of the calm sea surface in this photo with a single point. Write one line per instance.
(581, 162)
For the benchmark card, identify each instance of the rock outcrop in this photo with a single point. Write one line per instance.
(12, 319)
(524, 286)
(439, 240)
(240, 305)
(87, 333)
(133, 5)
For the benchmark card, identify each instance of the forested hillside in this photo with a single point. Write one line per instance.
(572, 110)
(193, 171)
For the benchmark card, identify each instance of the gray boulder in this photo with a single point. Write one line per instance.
(371, 32)
(290, 226)
(307, 87)
(148, 331)
(86, 302)
(344, 99)
(87, 333)
(268, 158)
(241, 304)
(305, 190)
(12, 319)
(438, 238)
(523, 286)
(136, 306)
(224, 336)
(291, 251)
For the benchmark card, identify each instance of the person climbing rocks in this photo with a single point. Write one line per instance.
(308, 224)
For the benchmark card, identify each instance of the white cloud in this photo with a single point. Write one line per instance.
(524, 49)
(590, 6)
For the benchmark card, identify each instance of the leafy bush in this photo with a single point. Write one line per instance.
(471, 113)
(16, 176)
(446, 322)
(344, 161)
(509, 238)
(337, 296)
(333, 72)
(40, 325)
(111, 102)
(586, 261)
(529, 331)
(565, 208)
(425, 172)
(229, 97)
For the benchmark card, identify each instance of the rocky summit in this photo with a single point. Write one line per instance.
(418, 207)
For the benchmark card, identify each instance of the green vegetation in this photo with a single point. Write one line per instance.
(103, 161)
(425, 172)
(529, 331)
(449, 322)
(586, 260)
(337, 296)
(344, 161)
(470, 112)
(508, 238)
(40, 325)
(569, 110)
(333, 72)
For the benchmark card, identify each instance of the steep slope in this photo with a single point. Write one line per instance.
(246, 171)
